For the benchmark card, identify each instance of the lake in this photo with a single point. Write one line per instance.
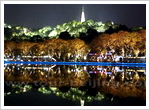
(74, 84)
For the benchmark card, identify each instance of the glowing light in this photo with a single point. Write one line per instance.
(85, 68)
(53, 33)
(82, 15)
(84, 57)
(25, 30)
(45, 68)
(77, 70)
(82, 102)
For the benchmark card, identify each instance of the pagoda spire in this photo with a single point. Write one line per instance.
(82, 15)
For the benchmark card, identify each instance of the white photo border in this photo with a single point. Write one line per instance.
(75, 2)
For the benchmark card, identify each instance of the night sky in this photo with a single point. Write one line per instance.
(40, 15)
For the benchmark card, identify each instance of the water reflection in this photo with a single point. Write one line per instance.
(76, 82)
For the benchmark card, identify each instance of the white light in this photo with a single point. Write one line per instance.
(84, 57)
(77, 70)
(25, 30)
(82, 15)
(53, 33)
(84, 68)
(82, 102)
(45, 68)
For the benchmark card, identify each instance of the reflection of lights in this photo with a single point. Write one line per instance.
(112, 77)
(5, 59)
(99, 69)
(24, 89)
(109, 73)
(90, 71)
(42, 73)
(45, 68)
(72, 70)
(77, 70)
(69, 71)
(85, 69)
(82, 102)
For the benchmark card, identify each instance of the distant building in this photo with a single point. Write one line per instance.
(82, 15)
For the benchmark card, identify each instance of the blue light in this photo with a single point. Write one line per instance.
(79, 63)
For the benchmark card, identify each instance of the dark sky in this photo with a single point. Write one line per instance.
(40, 15)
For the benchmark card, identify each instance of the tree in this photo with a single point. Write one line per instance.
(7, 34)
(78, 48)
(65, 35)
(8, 47)
(36, 38)
(90, 35)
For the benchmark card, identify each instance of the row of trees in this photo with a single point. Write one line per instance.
(122, 43)
(73, 40)
(75, 29)
(61, 50)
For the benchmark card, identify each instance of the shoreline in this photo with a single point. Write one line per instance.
(78, 63)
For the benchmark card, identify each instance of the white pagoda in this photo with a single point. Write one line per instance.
(82, 15)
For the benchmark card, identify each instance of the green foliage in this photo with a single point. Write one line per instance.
(44, 90)
(18, 89)
(137, 28)
(74, 28)
(76, 94)
(72, 94)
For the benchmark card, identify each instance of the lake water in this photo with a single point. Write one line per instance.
(74, 85)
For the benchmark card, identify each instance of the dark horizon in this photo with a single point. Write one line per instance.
(40, 15)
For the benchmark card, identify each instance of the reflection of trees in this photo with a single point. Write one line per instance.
(60, 76)
(122, 84)
(123, 90)
(125, 83)
(16, 89)
(76, 94)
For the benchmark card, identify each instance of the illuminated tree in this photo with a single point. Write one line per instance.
(8, 47)
(123, 43)
(78, 49)
(100, 43)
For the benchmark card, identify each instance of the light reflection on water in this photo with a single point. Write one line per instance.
(76, 81)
